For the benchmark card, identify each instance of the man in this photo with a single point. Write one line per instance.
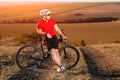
(46, 27)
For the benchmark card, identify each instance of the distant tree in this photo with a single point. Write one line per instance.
(4, 21)
(16, 21)
(23, 21)
(115, 19)
(9, 22)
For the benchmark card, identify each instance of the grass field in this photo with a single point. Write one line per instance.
(92, 33)
(31, 11)
(8, 66)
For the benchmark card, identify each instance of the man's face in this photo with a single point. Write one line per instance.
(48, 16)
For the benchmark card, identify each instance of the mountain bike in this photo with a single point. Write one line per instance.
(30, 56)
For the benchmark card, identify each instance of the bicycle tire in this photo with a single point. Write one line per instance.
(72, 56)
(24, 54)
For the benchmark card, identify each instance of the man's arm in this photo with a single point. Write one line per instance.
(39, 31)
(59, 31)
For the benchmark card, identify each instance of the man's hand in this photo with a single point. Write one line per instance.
(48, 35)
(64, 37)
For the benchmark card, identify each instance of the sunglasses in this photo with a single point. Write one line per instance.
(48, 14)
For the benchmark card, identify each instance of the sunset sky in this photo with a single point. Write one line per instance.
(61, 0)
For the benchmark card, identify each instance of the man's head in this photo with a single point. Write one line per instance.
(45, 13)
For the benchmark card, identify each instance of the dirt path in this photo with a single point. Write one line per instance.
(93, 65)
(10, 71)
(47, 71)
(101, 64)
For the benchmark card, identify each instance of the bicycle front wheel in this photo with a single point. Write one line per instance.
(26, 56)
(69, 56)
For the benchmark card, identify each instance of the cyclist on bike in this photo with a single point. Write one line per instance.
(46, 27)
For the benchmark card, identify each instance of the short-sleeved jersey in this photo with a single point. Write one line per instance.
(47, 27)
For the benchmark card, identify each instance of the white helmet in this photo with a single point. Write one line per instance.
(44, 12)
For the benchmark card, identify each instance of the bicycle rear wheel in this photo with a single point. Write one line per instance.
(26, 56)
(69, 56)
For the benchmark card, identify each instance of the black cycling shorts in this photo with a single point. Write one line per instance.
(52, 43)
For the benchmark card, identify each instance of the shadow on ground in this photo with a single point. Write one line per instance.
(101, 65)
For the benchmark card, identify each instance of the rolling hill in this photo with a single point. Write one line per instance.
(61, 11)
(95, 11)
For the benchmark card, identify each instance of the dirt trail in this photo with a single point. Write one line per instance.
(98, 66)
(101, 64)
(47, 71)
(10, 71)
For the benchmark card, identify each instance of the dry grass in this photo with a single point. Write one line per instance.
(31, 11)
(92, 33)
(31, 37)
(62, 12)
(112, 49)
(8, 66)
(79, 72)
(101, 63)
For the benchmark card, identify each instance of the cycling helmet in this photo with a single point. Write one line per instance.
(44, 12)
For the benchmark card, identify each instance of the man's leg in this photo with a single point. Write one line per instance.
(56, 57)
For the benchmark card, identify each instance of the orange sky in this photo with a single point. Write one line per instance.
(62, 0)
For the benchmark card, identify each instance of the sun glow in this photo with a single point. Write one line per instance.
(60, 0)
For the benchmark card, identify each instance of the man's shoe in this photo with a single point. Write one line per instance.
(61, 69)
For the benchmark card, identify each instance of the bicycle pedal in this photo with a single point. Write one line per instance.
(47, 56)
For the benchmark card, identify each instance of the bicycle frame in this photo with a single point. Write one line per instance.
(41, 54)
(42, 43)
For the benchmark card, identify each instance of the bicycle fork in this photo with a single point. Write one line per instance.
(65, 54)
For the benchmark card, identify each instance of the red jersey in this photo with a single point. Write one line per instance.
(47, 27)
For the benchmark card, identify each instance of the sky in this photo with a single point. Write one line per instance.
(60, 0)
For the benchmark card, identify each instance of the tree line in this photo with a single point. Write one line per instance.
(99, 19)
(18, 21)
(85, 20)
